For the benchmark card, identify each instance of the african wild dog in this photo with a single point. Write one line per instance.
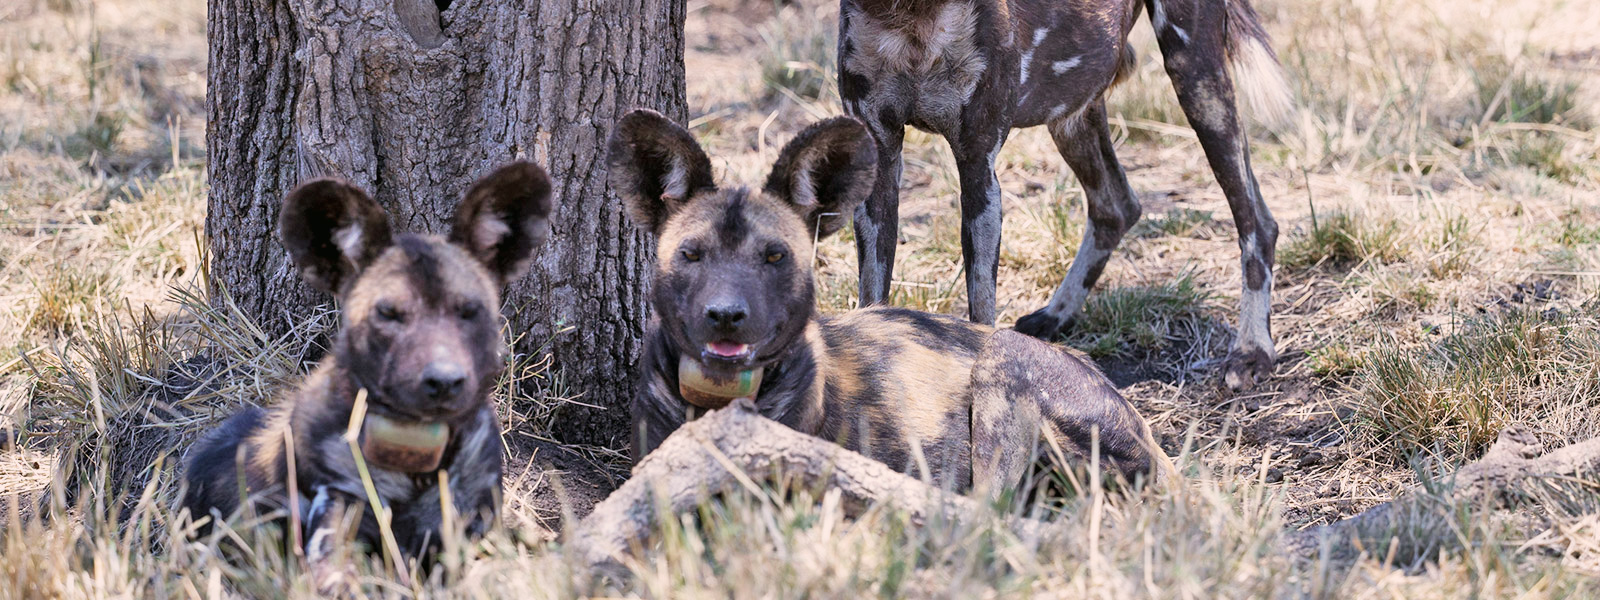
(734, 316)
(972, 70)
(421, 335)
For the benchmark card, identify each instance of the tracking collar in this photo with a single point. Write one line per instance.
(714, 390)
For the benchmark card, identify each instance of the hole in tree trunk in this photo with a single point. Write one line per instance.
(420, 19)
(443, 5)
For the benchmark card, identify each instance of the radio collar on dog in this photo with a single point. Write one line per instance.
(404, 447)
(715, 390)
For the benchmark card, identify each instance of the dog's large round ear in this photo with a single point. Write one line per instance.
(824, 172)
(504, 217)
(655, 166)
(332, 230)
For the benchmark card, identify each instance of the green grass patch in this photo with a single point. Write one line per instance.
(1575, 229)
(1451, 247)
(1139, 319)
(1510, 93)
(1342, 240)
(1180, 222)
(1335, 360)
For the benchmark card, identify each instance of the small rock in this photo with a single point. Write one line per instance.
(1331, 488)
(1311, 459)
(1274, 475)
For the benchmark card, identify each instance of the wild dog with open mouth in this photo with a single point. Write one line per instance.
(734, 317)
(420, 335)
(972, 70)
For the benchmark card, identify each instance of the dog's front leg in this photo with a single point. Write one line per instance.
(877, 221)
(656, 410)
(323, 520)
(985, 125)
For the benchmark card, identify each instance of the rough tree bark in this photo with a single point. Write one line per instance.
(414, 105)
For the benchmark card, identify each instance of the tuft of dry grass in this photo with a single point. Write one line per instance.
(1526, 366)
(800, 59)
(1342, 240)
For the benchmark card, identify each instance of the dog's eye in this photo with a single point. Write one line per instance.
(691, 255)
(774, 258)
(390, 312)
(469, 310)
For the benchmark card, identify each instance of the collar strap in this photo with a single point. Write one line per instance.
(715, 390)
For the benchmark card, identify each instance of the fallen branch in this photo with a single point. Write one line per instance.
(1515, 460)
(722, 451)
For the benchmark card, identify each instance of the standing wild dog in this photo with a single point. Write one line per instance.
(734, 316)
(421, 335)
(972, 70)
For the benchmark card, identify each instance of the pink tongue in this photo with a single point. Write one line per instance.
(726, 348)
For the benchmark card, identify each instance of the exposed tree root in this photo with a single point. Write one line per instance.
(721, 451)
(1502, 475)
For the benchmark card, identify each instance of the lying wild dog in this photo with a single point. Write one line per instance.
(734, 317)
(972, 70)
(420, 336)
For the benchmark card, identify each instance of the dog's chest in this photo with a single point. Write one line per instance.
(936, 60)
(473, 469)
(391, 486)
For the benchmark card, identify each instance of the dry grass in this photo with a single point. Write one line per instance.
(1525, 366)
(1448, 150)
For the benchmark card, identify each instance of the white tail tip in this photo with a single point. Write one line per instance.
(1259, 81)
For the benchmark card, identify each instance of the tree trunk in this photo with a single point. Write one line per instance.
(414, 106)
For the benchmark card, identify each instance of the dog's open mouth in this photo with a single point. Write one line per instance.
(728, 350)
(401, 446)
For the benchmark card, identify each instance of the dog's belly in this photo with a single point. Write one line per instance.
(1064, 55)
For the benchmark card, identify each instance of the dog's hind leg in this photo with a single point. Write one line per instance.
(1023, 387)
(1197, 39)
(1085, 142)
(1004, 429)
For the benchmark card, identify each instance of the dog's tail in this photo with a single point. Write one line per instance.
(1258, 77)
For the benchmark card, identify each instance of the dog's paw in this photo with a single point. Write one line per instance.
(1042, 324)
(335, 580)
(1245, 368)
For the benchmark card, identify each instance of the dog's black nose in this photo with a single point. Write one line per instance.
(726, 314)
(442, 381)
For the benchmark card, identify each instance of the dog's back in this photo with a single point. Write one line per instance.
(213, 469)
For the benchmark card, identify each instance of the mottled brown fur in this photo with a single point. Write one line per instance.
(925, 394)
(973, 70)
(420, 341)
